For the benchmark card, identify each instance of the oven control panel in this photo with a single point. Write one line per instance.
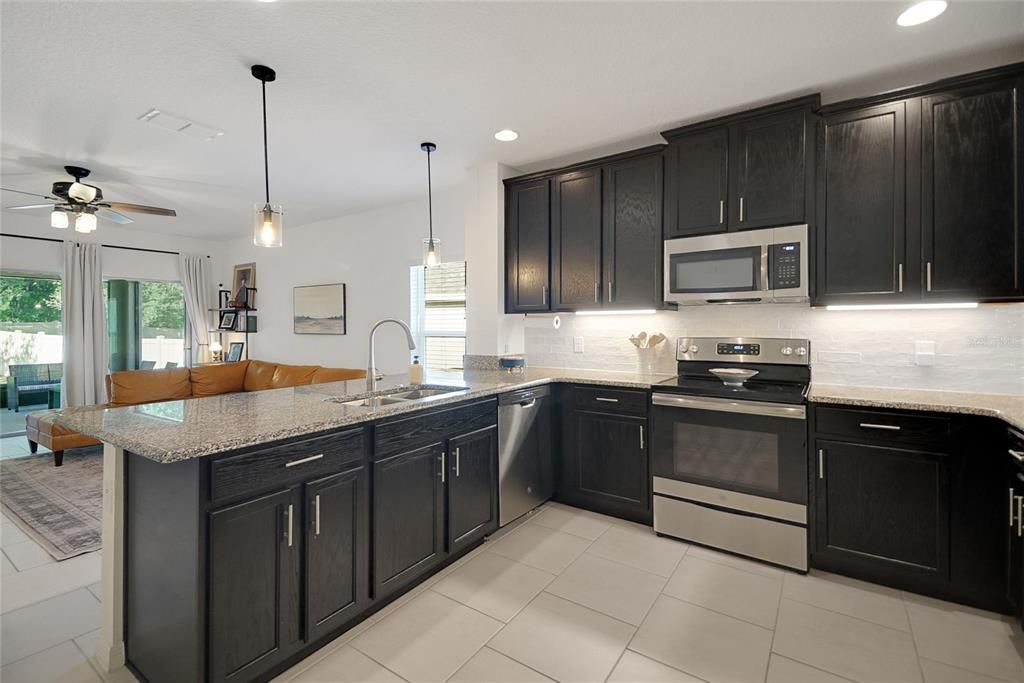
(739, 349)
(744, 350)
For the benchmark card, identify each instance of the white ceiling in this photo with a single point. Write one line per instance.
(361, 84)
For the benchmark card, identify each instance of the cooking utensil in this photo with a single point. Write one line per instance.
(642, 337)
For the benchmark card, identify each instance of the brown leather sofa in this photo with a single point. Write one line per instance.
(133, 387)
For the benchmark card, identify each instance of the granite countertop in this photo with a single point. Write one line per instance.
(1008, 407)
(180, 430)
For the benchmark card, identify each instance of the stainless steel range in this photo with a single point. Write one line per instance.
(729, 447)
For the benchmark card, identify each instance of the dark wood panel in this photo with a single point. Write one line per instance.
(861, 233)
(886, 426)
(633, 233)
(405, 434)
(527, 246)
(767, 171)
(472, 487)
(971, 194)
(576, 240)
(697, 183)
(611, 400)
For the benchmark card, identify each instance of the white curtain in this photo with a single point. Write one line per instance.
(195, 281)
(85, 326)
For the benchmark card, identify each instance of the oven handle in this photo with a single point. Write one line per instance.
(723, 405)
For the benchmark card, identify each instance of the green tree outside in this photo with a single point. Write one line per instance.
(162, 305)
(29, 299)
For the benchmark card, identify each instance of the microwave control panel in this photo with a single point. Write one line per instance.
(785, 265)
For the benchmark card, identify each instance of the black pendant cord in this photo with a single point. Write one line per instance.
(430, 202)
(266, 159)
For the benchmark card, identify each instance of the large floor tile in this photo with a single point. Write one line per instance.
(5, 566)
(625, 593)
(494, 585)
(848, 596)
(63, 663)
(738, 593)
(27, 555)
(87, 644)
(564, 640)
(706, 644)
(735, 561)
(846, 646)
(782, 670)
(490, 666)
(427, 639)
(546, 549)
(966, 638)
(347, 665)
(96, 589)
(572, 521)
(635, 668)
(44, 624)
(39, 583)
(639, 547)
(10, 534)
(936, 672)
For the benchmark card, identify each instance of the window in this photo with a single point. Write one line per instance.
(439, 314)
(145, 324)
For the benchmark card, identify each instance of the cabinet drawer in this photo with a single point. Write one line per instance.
(882, 425)
(408, 434)
(285, 464)
(611, 400)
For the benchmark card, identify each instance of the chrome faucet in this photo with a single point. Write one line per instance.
(371, 370)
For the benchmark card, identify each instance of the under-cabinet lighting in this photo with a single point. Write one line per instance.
(638, 311)
(900, 307)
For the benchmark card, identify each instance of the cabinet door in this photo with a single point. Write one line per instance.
(632, 233)
(861, 206)
(610, 471)
(472, 487)
(882, 513)
(767, 171)
(576, 240)
(337, 550)
(971, 198)
(527, 247)
(408, 511)
(254, 584)
(697, 184)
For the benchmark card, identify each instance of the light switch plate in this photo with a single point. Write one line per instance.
(577, 344)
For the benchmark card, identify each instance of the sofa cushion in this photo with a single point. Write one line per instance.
(323, 375)
(211, 380)
(293, 375)
(259, 376)
(131, 387)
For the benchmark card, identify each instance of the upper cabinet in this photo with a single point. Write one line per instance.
(576, 239)
(632, 232)
(527, 246)
(746, 171)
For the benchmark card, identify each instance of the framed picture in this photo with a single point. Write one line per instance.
(319, 309)
(244, 277)
(227, 320)
(234, 352)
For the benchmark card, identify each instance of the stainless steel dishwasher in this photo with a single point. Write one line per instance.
(525, 470)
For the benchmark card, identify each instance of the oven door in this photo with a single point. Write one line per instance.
(748, 447)
(717, 269)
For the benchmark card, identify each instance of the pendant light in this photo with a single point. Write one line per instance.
(267, 217)
(431, 245)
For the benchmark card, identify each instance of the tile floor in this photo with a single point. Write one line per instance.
(572, 596)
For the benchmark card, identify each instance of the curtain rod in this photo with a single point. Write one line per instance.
(108, 246)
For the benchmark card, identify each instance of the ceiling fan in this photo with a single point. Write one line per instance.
(84, 202)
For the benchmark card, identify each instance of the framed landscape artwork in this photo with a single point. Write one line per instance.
(320, 309)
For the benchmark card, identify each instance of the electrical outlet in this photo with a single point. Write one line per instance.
(577, 344)
(924, 353)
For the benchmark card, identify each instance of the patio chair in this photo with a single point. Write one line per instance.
(31, 378)
(147, 365)
(170, 365)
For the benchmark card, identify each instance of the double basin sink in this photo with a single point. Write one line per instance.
(395, 396)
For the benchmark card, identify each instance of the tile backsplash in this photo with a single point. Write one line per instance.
(978, 349)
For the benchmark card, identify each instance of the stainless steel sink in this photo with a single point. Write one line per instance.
(393, 397)
(415, 394)
(369, 402)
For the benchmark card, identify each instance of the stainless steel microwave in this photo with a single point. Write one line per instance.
(753, 266)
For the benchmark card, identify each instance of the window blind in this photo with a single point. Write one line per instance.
(438, 298)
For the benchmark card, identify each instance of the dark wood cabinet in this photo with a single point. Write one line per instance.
(633, 232)
(472, 486)
(971, 197)
(576, 239)
(254, 587)
(527, 246)
(698, 182)
(408, 517)
(861, 238)
(337, 550)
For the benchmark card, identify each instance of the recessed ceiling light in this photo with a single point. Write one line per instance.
(923, 11)
(506, 135)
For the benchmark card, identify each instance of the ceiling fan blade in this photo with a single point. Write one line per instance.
(139, 208)
(31, 206)
(113, 216)
(31, 194)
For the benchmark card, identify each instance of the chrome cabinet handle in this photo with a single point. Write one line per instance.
(741, 209)
(928, 276)
(1011, 507)
(1020, 503)
(900, 276)
(290, 508)
(597, 292)
(721, 211)
(641, 437)
(821, 463)
(442, 467)
(543, 295)
(302, 461)
(456, 461)
(606, 400)
(871, 425)
(610, 298)
(1017, 455)
(316, 514)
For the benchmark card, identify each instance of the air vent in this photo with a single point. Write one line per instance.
(177, 124)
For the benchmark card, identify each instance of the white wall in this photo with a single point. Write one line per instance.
(371, 253)
(977, 349)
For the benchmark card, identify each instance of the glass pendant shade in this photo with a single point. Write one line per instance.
(267, 224)
(85, 222)
(59, 219)
(431, 251)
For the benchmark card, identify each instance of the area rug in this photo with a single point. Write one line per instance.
(60, 507)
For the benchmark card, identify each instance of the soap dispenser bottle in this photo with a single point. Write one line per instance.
(415, 371)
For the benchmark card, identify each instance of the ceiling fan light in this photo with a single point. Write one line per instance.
(59, 219)
(267, 224)
(85, 222)
(82, 192)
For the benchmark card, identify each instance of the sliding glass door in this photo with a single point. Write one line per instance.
(145, 324)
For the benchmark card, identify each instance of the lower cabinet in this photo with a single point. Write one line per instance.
(472, 482)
